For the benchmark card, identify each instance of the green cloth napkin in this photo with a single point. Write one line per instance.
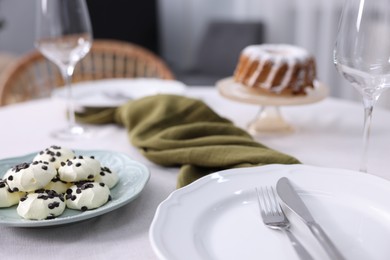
(174, 130)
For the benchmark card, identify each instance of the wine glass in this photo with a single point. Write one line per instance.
(64, 36)
(362, 54)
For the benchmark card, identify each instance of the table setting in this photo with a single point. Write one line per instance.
(195, 179)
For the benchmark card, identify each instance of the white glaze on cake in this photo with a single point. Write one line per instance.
(87, 195)
(278, 55)
(29, 177)
(42, 205)
(55, 155)
(79, 169)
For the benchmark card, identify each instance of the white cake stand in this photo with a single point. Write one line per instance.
(269, 120)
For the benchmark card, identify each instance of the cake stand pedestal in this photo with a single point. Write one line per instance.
(269, 119)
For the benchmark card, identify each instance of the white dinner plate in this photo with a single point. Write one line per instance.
(217, 216)
(115, 92)
(133, 177)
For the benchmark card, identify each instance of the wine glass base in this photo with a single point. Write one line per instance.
(72, 133)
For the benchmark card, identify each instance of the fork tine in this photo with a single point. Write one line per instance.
(259, 201)
(274, 199)
(270, 200)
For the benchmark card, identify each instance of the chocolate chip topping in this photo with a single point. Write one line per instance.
(21, 166)
(53, 205)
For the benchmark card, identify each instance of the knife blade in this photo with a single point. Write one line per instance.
(290, 197)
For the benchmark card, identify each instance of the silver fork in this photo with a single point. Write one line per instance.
(274, 217)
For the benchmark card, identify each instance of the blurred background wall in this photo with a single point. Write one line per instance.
(173, 29)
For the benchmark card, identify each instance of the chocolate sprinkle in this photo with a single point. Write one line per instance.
(21, 166)
(84, 208)
(53, 205)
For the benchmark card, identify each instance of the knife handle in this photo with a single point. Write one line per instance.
(325, 241)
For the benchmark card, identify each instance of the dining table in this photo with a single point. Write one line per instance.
(326, 134)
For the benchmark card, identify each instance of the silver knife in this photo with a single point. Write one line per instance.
(290, 197)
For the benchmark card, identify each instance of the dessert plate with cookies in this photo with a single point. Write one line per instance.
(58, 186)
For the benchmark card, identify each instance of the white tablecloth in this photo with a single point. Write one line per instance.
(326, 134)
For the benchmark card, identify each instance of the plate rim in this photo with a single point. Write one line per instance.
(81, 216)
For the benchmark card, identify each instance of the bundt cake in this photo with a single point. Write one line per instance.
(279, 69)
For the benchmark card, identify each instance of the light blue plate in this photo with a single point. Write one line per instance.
(133, 177)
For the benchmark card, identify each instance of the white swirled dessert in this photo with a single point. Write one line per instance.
(8, 198)
(58, 185)
(276, 69)
(29, 177)
(55, 155)
(79, 169)
(107, 176)
(87, 195)
(43, 204)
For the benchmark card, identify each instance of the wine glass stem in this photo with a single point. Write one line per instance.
(368, 108)
(67, 75)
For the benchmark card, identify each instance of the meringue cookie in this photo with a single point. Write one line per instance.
(29, 177)
(108, 177)
(58, 185)
(55, 155)
(87, 195)
(79, 169)
(44, 204)
(7, 197)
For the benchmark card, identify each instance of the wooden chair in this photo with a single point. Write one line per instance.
(33, 76)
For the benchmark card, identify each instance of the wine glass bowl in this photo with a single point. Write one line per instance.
(64, 36)
(362, 54)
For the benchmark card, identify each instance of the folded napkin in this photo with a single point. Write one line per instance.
(178, 131)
